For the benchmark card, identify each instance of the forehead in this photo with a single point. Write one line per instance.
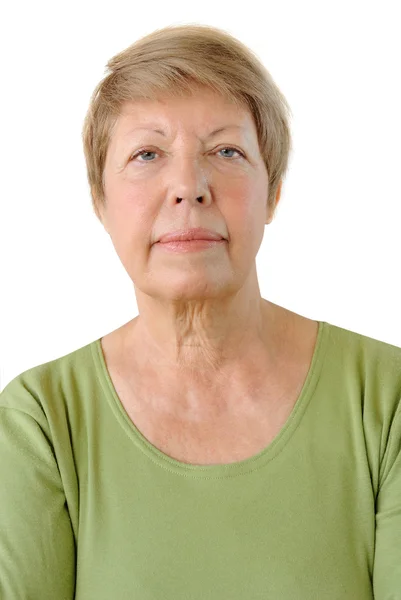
(204, 112)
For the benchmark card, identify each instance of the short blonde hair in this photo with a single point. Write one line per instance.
(175, 60)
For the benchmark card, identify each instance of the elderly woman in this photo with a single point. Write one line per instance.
(218, 446)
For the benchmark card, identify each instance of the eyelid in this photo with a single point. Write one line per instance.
(149, 149)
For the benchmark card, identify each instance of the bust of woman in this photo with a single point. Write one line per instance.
(218, 446)
(209, 371)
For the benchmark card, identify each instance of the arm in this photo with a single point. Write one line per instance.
(387, 561)
(37, 550)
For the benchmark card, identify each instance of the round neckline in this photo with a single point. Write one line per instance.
(226, 470)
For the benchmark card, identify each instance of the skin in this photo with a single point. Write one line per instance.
(203, 327)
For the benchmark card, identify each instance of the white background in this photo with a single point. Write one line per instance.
(332, 252)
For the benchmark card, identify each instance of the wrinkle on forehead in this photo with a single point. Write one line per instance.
(153, 113)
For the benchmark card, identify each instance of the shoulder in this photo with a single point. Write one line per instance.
(370, 373)
(46, 387)
(371, 353)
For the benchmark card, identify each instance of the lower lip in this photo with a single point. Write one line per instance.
(189, 245)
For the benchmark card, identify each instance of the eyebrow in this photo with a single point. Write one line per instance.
(161, 132)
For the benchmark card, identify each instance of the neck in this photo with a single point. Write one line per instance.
(210, 344)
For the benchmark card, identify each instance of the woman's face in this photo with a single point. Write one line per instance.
(185, 161)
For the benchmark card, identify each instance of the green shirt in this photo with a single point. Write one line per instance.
(91, 510)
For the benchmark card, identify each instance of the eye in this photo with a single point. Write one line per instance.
(231, 148)
(140, 152)
(148, 151)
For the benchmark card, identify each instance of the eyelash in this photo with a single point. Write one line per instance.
(145, 150)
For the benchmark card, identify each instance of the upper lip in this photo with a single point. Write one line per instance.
(199, 233)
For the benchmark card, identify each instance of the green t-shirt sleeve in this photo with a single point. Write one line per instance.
(387, 559)
(37, 549)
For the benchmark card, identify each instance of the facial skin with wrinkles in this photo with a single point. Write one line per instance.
(200, 313)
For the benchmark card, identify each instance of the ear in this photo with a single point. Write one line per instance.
(102, 219)
(271, 211)
(99, 211)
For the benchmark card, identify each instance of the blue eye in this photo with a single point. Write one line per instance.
(231, 149)
(147, 151)
(143, 152)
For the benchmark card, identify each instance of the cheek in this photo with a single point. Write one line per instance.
(130, 224)
(244, 205)
(131, 213)
(135, 201)
(245, 214)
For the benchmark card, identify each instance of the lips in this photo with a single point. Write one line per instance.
(184, 235)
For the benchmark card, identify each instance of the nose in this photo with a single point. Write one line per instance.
(199, 199)
(187, 180)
